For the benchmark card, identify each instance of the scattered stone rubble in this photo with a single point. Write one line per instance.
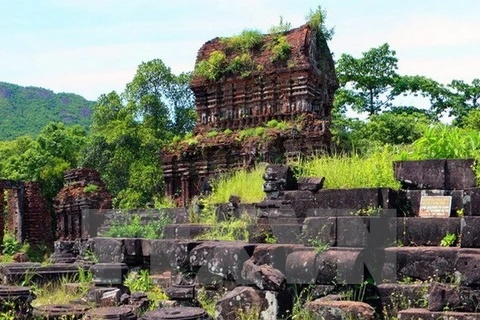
(330, 241)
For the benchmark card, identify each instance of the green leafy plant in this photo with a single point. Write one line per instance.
(233, 229)
(316, 21)
(213, 67)
(460, 212)
(242, 64)
(212, 134)
(272, 123)
(449, 240)
(280, 49)
(10, 244)
(90, 188)
(270, 238)
(281, 27)
(131, 226)
(319, 245)
(248, 39)
(139, 281)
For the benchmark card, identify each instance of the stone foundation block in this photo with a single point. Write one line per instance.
(436, 174)
(425, 231)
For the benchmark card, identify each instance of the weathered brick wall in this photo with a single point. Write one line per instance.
(13, 211)
(28, 216)
(2, 216)
(73, 198)
(37, 222)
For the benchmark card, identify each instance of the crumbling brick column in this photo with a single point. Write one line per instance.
(76, 196)
(37, 223)
(2, 210)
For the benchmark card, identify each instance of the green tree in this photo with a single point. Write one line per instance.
(128, 133)
(44, 159)
(163, 100)
(368, 82)
(472, 120)
(464, 99)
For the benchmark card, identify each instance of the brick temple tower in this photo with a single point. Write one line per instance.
(259, 104)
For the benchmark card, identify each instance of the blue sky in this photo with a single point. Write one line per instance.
(92, 47)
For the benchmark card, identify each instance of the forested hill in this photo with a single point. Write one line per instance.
(26, 110)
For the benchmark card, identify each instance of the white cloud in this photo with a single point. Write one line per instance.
(434, 32)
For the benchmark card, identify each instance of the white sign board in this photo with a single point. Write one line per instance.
(435, 206)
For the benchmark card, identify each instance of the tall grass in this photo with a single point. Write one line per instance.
(245, 184)
(446, 142)
(443, 142)
(352, 171)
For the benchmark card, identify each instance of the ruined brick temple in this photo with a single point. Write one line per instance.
(297, 90)
(27, 215)
(83, 190)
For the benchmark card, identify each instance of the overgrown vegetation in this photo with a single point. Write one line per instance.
(11, 246)
(127, 225)
(233, 229)
(352, 171)
(245, 184)
(449, 240)
(59, 292)
(141, 281)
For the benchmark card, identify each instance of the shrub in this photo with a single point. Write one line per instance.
(281, 27)
(283, 125)
(130, 226)
(281, 49)
(212, 134)
(227, 132)
(316, 21)
(272, 123)
(241, 64)
(213, 67)
(10, 244)
(259, 131)
(245, 41)
(90, 188)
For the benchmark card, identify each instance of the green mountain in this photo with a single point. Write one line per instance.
(26, 110)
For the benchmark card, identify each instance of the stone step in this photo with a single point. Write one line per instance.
(13, 273)
(416, 314)
(436, 174)
(187, 231)
(395, 297)
(359, 231)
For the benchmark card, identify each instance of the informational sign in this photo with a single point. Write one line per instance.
(435, 206)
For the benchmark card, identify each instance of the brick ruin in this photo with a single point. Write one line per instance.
(298, 90)
(83, 190)
(27, 214)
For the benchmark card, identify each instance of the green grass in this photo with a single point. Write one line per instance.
(229, 230)
(245, 184)
(354, 171)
